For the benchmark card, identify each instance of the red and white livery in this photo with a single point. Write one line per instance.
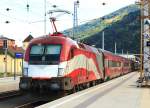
(57, 62)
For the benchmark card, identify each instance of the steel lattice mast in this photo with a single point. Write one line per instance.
(145, 40)
(75, 18)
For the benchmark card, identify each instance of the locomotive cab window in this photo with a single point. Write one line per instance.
(37, 50)
(45, 54)
(71, 54)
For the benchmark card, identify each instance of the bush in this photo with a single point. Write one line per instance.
(8, 74)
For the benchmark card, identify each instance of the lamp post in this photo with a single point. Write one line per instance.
(103, 40)
(122, 51)
(5, 58)
(45, 17)
(103, 34)
(115, 48)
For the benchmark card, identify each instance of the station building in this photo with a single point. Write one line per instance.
(26, 41)
(11, 63)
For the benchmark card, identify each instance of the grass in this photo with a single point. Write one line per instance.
(8, 74)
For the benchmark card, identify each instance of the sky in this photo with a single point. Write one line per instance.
(23, 21)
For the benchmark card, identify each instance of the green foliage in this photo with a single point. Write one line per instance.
(122, 27)
(126, 33)
(8, 74)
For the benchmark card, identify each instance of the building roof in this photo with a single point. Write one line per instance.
(28, 39)
(12, 51)
(5, 38)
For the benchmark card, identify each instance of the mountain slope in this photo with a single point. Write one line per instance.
(122, 27)
(126, 34)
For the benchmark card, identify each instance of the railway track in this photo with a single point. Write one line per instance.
(9, 94)
(32, 104)
(17, 99)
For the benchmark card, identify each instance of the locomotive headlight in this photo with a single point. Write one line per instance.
(60, 71)
(25, 72)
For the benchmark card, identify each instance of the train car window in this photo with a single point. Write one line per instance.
(106, 63)
(109, 63)
(126, 64)
(114, 64)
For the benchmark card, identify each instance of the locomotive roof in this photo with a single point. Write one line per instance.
(109, 54)
(53, 39)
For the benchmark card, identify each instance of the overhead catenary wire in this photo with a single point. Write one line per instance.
(18, 9)
(26, 5)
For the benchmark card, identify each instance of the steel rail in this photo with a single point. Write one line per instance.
(10, 94)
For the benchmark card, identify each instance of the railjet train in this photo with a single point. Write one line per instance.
(56, 62)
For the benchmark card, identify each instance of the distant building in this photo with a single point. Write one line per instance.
(26, 41)
(13, 64)
(10, 42)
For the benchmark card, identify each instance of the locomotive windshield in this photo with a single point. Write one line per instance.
(44, 54)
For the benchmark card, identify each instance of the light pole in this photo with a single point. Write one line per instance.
(122, 51)
(45, 17)
(5, 58)
(115, 48)
(103, 34)
(103, 40)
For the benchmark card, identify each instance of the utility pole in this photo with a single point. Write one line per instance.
(103, 34)
(122, 51)
(5, 46)
(103, 40)
(115, 48)
(45, 17)
(75, 18)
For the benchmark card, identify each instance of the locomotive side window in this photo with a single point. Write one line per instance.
(71, 54)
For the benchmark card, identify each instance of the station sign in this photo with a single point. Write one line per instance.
(148, 43)
(18, 55)
(146, 35)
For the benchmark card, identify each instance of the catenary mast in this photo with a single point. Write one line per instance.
(145, 40)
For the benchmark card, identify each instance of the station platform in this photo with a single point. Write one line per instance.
(120, 92)
(9, 83)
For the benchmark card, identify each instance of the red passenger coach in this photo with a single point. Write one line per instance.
(113, 65)
(126, 66)
(59, 63)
